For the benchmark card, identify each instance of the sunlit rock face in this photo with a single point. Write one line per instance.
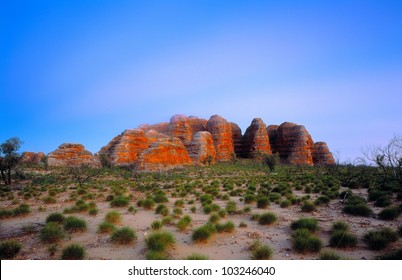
(164, 154)
(256, 140)
(322, 155)
(221, 131)
(69, 154)
(294, 144)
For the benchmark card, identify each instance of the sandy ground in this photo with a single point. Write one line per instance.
(221, 246)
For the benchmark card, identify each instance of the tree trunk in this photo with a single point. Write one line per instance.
(9, 175)
(3, 176)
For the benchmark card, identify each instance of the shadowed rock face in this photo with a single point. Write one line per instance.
(255, 140)
(322, 155)
(294, 144)
(221, 132)
(202, 149)
(31, 157)
(272, 131)
(164, 154)
(237, 139)
(71, 155)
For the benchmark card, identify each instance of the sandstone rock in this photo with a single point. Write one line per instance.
(202, 150)
(69, 154)
(125, 148)
(294, 144)
(180, 127)
(159, 127)
(31, 158)
(272, 131)
(221, 132)
(255, 140)
(164, 154)
(322, 155)
(237, 140)
(197, 124)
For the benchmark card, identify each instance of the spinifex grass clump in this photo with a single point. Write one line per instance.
(203, 233)
(73, 252)
(124, 235)
(231, 208)
(310, 224)
(357, 206)
(341, 237)
(304, 241)
(162, 209)
(155, 225)
(330, 255)
(228, 227)
(51, 233)
(393, 255)
(197, 257)
(113, 217)
(75, 224)
(148, 203)
(262, 202)
(267, 218)
(389, 213)
(55, 217)
(260, 251)
(184, 222)
(21, 210)
(159, 241)
(120, 201)
(9, 249)
(106, 227)
(379, 239)
(308, 206)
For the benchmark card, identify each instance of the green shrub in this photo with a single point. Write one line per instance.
(51, 233)
(249, 198)
(113, 217)
(214, 218)
(155, 225)
(177, 212)
(197, 257)
(261, 252)
(356, 206)
(323, 199)
(379, 239)
(228, 227)
(160, 198)
(262, 202)
(179, 203)
(308, 206)
(285, 203)
(73, 252)
(162, 209)
(267, 218)
(55, 217)
(203, 233)
(231, 208)
(383, 201)
(184, 222)
(9, 249)
(342, 239)
(75, 224)
(124, 235)
(389, 213)
(156, 255)
(148, 203)
(340, 225)
(106, 227)
(159, 241)
(329, 255)
(304, 241)
(310, 224)
(120, 201)
(393, 255)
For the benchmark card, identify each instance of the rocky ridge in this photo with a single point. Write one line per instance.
(190, 140)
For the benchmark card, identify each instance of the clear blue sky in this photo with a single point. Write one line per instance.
(84, 71)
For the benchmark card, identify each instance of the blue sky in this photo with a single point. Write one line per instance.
(84, 71)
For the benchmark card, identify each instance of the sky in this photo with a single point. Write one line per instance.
(84, 71)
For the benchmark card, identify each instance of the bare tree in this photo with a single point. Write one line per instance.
(9, 158)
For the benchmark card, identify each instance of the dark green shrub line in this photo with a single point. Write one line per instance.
(73, 252)
(159, 241)
(21, 210)
(9, 249)
(379, 239)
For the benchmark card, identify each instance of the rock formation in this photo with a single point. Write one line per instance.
(202, 150)
(221, 132)
(294, 144)
(164, 154)
(255, 140)
(159, 127)
(31, 158)
(237, 140)
(272, 131)
(180, 127)
(322, 155)
(68, 154)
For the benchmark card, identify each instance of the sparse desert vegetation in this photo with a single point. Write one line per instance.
(294, 212)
